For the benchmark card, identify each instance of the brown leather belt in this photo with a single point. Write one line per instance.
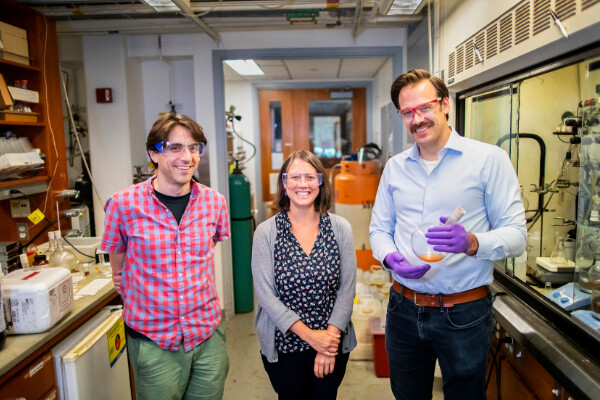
(447, 300)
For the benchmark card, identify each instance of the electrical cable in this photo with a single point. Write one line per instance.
(277, 7)
(241, 138)
(499, 377)
(76, 249)
(48, 115)
(79, 142)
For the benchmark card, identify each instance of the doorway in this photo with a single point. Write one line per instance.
(328, 122)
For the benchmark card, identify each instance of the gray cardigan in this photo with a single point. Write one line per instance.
(272, 313)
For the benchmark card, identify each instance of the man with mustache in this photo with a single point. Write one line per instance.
(442, 310)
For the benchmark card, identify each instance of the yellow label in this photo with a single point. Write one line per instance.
(116, 341)
(36, 216)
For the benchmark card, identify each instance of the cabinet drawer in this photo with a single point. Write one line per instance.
(32, 382)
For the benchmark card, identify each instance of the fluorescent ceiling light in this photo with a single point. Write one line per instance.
(399, 7)
(245, 67)
(162, 5)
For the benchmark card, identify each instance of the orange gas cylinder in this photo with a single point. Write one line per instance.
(355, 190)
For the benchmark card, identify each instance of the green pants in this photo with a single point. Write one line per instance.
(173, 375)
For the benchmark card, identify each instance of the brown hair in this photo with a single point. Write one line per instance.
(415, 76)
(164, 125)
(325, 198)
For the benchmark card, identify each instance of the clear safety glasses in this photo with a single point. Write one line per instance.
(178, 148)
(423, 110)
(295, 178)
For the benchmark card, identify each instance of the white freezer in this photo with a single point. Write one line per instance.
(91, 363)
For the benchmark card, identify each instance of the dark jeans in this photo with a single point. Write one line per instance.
(459, 337)
(293, 377)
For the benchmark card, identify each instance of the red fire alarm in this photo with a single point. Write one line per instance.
(104, 95)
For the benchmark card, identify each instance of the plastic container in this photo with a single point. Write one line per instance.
(36, 299)
(367, 307)
(380, 358)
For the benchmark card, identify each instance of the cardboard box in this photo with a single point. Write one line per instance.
(28, 96)
(18, 116)
(14, 43)
(5, 96)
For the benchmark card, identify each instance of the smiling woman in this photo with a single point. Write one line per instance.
(306, 256)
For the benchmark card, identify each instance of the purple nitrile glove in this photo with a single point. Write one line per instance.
(449, 238)
(402, 267)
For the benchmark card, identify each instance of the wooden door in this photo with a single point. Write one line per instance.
(310, 119)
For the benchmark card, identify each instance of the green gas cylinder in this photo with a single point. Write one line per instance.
(241, 241)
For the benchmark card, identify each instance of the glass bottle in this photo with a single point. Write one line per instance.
(62, 257)
(591, 279)
(594, 282)
(51, 245)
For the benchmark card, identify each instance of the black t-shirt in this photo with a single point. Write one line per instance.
(176, 204)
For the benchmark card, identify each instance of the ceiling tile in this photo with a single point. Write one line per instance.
(361, 67)
(313, 69)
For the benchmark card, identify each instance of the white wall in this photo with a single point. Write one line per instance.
(160, 85)
(109, 132)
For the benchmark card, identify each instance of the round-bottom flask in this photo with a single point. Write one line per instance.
(421, 248)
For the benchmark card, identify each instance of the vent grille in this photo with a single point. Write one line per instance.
(541, 16)
(480, 42)
(468, 55)
(460, 59)
(585, 4)
(521, 22)
(522, 15)
(506, 33)
(492, 41)
(565, 8)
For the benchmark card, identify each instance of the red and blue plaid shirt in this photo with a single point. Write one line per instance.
(168, 283)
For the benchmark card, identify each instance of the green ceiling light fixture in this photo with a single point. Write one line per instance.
(245, 67)
(302, 16)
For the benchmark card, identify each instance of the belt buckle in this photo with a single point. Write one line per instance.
(427, 297)
(419, 294)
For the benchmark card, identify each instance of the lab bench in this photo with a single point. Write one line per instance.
(538, 360)
(32, 352)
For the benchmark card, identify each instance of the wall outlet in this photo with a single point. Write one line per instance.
(22, 232)
(19, 208)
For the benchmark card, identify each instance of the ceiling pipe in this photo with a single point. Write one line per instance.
(357, 19)
(186, 10)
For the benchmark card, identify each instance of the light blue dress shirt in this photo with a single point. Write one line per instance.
(476, 176)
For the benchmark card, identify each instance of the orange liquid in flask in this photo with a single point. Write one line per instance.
(431, 257)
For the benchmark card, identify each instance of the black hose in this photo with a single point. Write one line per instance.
(540, 141)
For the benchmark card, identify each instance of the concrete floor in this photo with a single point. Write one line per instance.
(248, 380)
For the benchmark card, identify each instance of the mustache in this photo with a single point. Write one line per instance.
(424, 124)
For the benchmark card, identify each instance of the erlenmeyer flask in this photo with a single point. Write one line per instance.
(558, 254)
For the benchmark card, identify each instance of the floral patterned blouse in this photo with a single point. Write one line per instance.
(307, 285)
